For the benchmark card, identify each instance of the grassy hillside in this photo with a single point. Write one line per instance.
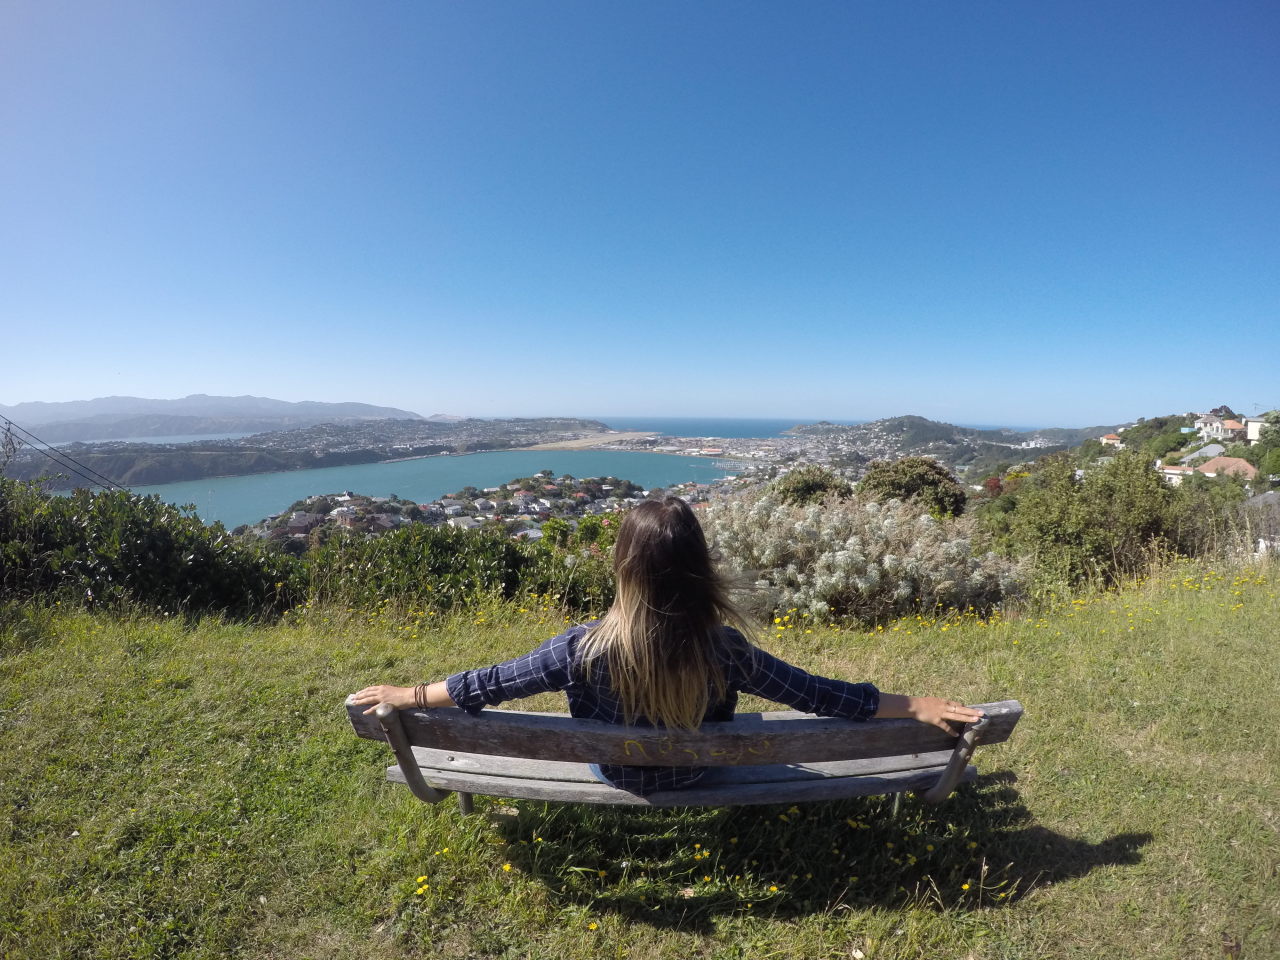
(173, 790)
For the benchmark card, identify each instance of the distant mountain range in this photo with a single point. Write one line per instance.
(114, 417)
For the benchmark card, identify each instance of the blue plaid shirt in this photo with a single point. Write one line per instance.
(554, 665)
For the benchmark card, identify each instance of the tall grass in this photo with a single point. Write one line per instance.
(191, 790)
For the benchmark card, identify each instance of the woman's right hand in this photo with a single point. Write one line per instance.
(946, 715)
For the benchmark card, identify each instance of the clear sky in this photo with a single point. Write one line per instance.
(1031, 213)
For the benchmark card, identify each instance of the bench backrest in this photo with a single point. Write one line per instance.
(750, 738)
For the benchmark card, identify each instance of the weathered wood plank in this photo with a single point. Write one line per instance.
(757, 738)
(786, 791)
(430, 761)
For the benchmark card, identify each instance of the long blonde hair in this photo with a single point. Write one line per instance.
(663, 640)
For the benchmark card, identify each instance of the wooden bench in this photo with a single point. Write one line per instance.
(781, 757)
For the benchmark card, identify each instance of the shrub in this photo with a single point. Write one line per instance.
(914, 478)
(112, 547)
(442, 568)
(1110, 525)
(813, 484)
(433, 567)
(854, 558)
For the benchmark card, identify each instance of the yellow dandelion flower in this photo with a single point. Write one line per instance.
(421, 880)
(964, 886)
(593, 925)
(506, 868)
(773, 888)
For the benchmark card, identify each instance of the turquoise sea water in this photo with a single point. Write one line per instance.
(237, 500)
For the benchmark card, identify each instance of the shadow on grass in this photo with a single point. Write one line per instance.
(979, 849)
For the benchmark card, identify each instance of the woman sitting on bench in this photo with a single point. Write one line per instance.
(672, 652)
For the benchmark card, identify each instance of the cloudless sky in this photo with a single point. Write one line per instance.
(1030, 213)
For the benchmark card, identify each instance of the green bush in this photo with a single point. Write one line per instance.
(921, 479)
(441, 568)
(805, 485)
(434, 567)
(112, 547)
(1110, 525)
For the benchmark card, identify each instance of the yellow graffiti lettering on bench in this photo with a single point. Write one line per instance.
(627, 745)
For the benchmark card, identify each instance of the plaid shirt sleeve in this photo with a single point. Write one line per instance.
(547, 668)
(777, 680)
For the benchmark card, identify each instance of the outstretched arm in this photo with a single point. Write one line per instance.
(935, 710)
(402, 697)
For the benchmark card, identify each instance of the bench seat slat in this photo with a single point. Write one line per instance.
(445, 761)
(751, 738)
(717, 794)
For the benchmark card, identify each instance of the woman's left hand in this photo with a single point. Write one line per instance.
(398, 697)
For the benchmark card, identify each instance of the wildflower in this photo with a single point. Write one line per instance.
(773, 888)
(593, 925)
(506, 868)
(972, 845)
(421, 880)
(964, 886)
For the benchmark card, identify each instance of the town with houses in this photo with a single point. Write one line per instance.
(1208, 438)
(521, 506)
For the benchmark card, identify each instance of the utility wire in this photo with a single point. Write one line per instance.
(65, 460)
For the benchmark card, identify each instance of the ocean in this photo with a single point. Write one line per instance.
(710, 426)
(248, 499)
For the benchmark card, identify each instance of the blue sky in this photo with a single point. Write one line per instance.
(1036, 213)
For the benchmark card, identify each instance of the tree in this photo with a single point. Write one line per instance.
(915, 478)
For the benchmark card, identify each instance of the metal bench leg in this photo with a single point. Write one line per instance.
(389, 719)
(956, 765)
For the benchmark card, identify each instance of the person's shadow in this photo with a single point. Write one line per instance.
(978, 849)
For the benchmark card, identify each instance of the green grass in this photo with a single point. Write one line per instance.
(193, 790)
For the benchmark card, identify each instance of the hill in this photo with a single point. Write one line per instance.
(972, 450)
(108, 418)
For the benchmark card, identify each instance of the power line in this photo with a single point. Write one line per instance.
(72, 465)
(65, 460)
